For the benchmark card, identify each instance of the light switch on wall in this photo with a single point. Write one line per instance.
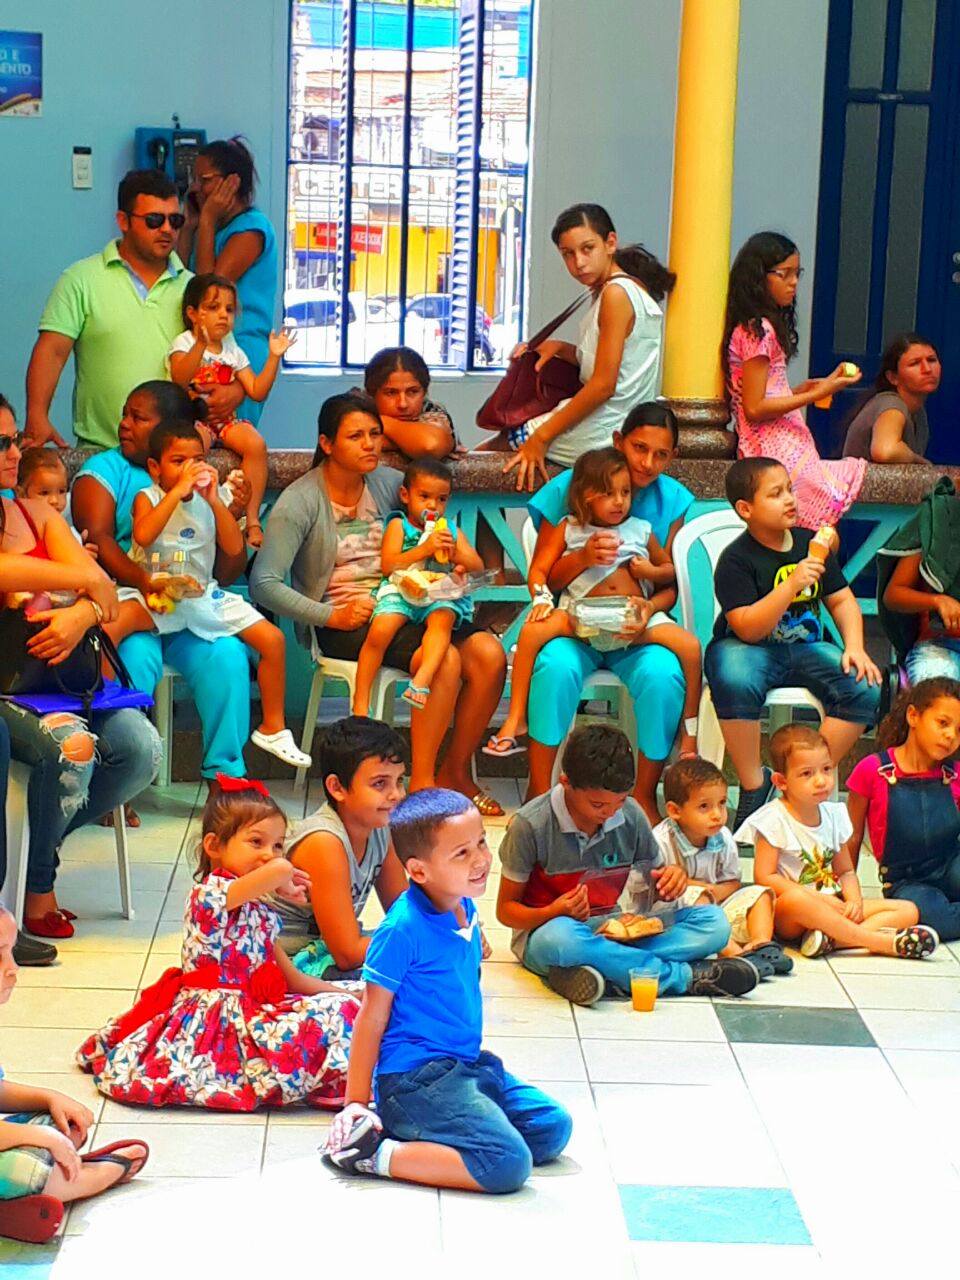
(82, 168)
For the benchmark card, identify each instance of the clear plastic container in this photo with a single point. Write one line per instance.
(444, 586)
(181, 576)
(608, 614)
(639, 896)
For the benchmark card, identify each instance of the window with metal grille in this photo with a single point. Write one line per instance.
(407, 179)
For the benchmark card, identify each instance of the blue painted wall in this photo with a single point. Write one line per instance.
(604, 93)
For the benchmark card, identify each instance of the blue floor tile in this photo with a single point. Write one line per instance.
(713, 1215)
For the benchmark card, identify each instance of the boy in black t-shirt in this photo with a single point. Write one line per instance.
(769, 633)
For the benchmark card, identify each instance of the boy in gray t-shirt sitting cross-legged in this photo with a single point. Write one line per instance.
(566, 858)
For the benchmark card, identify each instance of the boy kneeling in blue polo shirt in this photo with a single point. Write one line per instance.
(448, 1114)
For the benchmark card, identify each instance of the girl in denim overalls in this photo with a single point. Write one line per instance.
(907, 795)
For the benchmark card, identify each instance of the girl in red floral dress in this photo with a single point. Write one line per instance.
(238, 1026)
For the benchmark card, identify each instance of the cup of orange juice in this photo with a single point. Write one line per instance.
(643, 991)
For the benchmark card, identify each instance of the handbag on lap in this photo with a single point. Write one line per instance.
(79, 676)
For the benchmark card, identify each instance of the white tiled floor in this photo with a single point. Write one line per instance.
(661, 1100)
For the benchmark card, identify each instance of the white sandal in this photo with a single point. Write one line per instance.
(283, 747)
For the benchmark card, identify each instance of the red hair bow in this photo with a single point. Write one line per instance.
(241, 784)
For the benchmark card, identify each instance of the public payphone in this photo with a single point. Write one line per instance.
(173, 150)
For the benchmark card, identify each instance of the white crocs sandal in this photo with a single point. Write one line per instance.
(283, 747)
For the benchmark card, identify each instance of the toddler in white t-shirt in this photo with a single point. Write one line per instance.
(206, 355)
(801, 850)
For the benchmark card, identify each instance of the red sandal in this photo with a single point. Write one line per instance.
(52, 925)
(32, 1219)
(112, 1153)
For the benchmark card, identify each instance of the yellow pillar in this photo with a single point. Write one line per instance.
(702, 197)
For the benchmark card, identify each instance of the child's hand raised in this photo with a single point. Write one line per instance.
(190, 477)
(208, 484)
(441, 542)
(280, 343)
(296, 887)
(601, 548)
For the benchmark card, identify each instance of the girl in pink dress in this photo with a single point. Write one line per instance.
(760, 336)
(237, 1026)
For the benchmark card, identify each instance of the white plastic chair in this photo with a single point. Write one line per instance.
(713, 532)
(18, 845)
(163, 720)
(598, 685)
(382, 695)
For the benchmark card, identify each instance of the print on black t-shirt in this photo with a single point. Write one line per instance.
(747, 571)
(801, 622)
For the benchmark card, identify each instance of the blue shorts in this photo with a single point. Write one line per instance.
(741, 675)
(394, 602)
(500, 1126)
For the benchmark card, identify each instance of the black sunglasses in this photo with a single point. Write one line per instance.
(156, 220)
(8, 442)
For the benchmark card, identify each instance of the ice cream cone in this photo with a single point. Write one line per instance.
(823, 542)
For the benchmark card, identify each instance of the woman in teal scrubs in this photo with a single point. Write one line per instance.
(648, 441)
(226, 233)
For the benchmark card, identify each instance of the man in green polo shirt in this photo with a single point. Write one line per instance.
(118, 312)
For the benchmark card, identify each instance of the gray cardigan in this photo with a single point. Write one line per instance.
(301, 540)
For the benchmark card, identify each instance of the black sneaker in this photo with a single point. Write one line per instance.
(751, 801)
(732, 976)
(31, 953)
(358, 1157)
(579, 984)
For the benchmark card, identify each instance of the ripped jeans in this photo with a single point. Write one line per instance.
(77, 774)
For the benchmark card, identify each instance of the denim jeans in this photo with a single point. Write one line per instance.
(500, 1126)
(696, 933)
(741, 675)
(65, 793)
(651, 673)
(937, 900)
(930, 658)
(218, 674)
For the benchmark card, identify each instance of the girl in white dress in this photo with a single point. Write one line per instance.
(180, 521)
(618, 557)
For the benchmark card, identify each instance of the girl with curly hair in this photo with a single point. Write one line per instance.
(759, 338)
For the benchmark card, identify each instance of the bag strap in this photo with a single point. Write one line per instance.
(113, 657)
(543, 334)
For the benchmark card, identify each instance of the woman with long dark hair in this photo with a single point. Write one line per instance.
(889, 424)
(759, 339)
(321, 563)
(619, 350)
(227, 234)
(397, 381)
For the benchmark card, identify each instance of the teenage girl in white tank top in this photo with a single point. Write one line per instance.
(619, 347)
